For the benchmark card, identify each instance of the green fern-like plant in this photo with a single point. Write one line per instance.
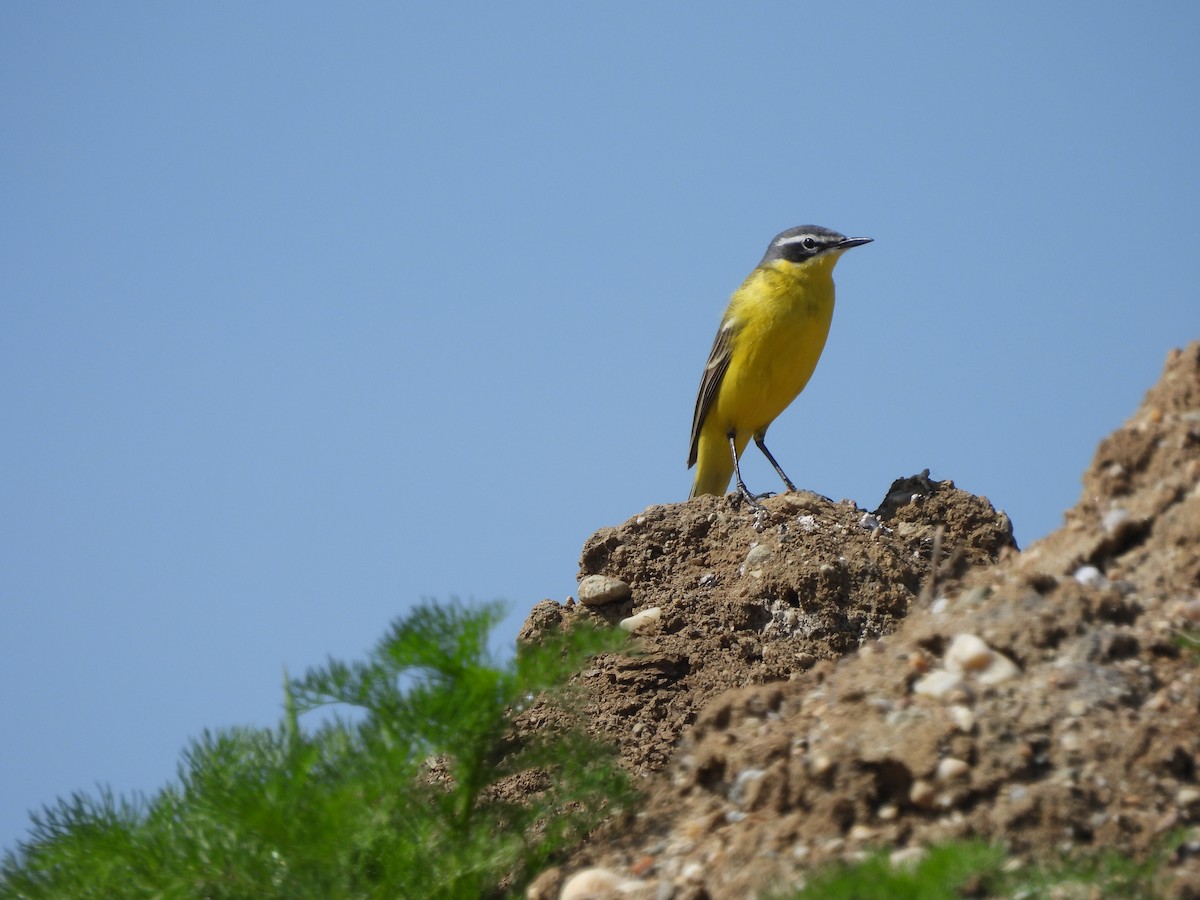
(393, 795)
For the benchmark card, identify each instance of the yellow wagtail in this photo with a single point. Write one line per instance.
(770, 339)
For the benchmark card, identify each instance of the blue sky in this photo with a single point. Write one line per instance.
(312, 312)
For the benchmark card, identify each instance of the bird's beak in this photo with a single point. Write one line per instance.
(854, 242)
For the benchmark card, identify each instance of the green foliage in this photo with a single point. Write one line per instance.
(976, 869)
(399, 799)
(1188, 641)
(949, 872)
(1104, 874)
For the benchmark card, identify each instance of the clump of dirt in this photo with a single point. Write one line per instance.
(750, 598)
(820, 680)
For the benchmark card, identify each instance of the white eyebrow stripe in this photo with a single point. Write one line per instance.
(795, 239)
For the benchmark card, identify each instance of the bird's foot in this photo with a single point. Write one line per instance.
(753, 499)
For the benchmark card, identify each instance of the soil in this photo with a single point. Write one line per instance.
(822, 681)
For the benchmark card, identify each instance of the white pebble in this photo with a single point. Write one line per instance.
(1114, 519)
(951, 769)
(1187, 796)
(592, 884)
(907, 858)
(964, 717)
(1089, 575)
(641, 621)
(967, 653)
(600, 590)
(819, 764)
(1001, 669)
(741, 784)
(806, 523)
(921, 793)
(939, 684)
(758, 554)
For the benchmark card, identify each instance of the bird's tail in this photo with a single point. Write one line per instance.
(714, 469)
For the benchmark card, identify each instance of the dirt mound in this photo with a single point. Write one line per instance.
(819, 680)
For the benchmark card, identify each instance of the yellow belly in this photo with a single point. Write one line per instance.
(782, 320)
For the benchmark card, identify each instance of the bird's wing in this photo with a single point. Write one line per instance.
(714, 371)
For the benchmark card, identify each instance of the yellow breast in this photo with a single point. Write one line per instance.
(781, 317)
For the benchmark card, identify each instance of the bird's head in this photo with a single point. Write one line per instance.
(804, 242)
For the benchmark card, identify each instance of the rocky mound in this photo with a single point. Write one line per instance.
(818, 680)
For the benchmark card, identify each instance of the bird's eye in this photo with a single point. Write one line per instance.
(810, 244)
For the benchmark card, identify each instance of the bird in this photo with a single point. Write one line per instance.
(765, 351)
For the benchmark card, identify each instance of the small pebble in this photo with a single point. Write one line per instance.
(940, 684)
(1158, 702)
(641, 621)
(1071, 742)
(642, 865)
(951, 769)
(593, 883)
(819, 764)
(964, 717)
(907, 858)
(741, 784)
(967, 653)
(806, 523)
(860, 834)
(1089, 575)
(921, 793)
(1188, 796)
(757, 556)
(1114, 519)
(1001, 669)
(600, 590)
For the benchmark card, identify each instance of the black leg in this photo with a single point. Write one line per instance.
(758, 439)
(741, 485)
